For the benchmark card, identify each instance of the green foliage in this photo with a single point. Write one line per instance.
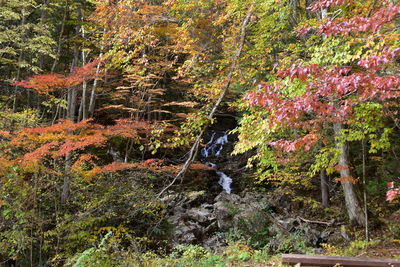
(291, 243)
(95, 209)
(394, 228)
(334, 51)
(23, 37)
(325, 159)
(94, 256)
(354, 248)
(189, 253)
(15, 120)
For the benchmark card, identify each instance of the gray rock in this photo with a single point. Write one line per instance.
(188, 233)
(232, 198)
(200, 215)
(223, 215)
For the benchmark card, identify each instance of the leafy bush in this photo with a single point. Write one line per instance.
(283, 243)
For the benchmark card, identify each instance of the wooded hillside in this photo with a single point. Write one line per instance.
(198, 132)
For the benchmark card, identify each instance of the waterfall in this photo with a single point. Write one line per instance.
(225, 181)
(214, 147)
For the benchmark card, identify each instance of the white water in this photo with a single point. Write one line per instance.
(225, 181)
(214, 148)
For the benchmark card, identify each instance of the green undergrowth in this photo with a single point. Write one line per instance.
(109, 252)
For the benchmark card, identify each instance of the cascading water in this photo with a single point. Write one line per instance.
(214, 148)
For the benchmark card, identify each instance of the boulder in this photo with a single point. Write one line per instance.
(200, 215)
(187, 233)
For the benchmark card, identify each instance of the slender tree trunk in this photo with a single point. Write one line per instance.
(56, 114)
(65, 188)
(53, 67)
(324, 188)
(354, 209)
(71, 98)
(82, 114)
(63, 112)
(72, 90)
(20, 57)
(93, 92)
(364, 172)
(43, 15)
(14, 106)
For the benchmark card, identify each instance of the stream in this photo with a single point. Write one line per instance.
(214, 148)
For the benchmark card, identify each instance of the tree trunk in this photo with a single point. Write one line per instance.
(71, 98)
(20, 57)
(354, 209)
(82, 114)
(324, 188)
(93, 93)
(364, 172)
(53, 67)
(43, 16)
(65, 188)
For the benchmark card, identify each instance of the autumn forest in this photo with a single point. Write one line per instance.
(198, 132)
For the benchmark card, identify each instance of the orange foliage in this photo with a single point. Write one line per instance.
(5, 134)
(58, 140)
(47, 83)
(97, 139)
(128, 128)
(116, 166)
(39, 153)
(44, 84)
(112, 167)
(5, 163)
(84, 158)
(346, 179)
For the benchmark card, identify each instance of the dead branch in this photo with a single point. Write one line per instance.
(316, 222)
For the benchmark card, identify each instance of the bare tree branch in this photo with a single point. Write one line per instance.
(193, 151)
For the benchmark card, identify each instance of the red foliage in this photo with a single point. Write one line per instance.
(386, 57)
(84, 158)
(392, 192)
(345, 179)
(361, 24)
(299, 72)
(129, 128)
(330, 96)
(47, 83)
(5, 134)
(84, 73)
(44, 84)
(95, 138)
(58, 140)
(39, 153)
(116, 166)
(290, 146)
